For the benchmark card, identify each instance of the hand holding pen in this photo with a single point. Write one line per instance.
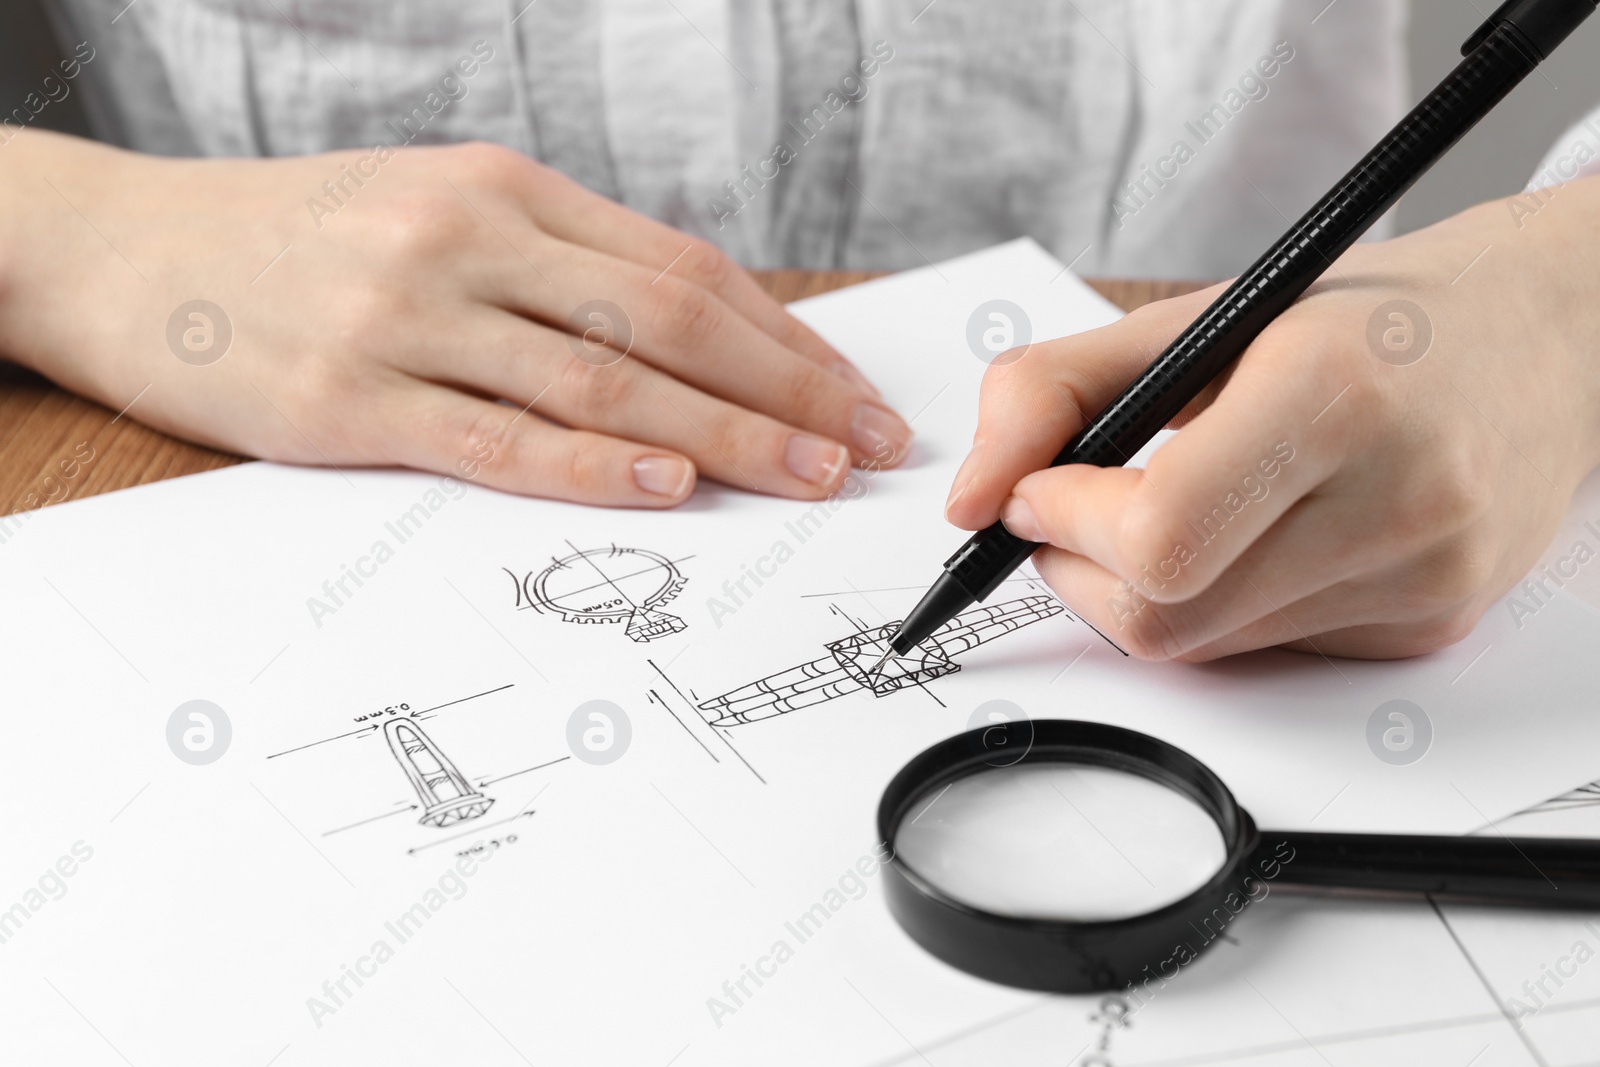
(1388, 456)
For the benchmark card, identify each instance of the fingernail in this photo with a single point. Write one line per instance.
(848, 372)
(814, 459)
(1019, 519)
(666, 476)
(879, 432)
(964, 478)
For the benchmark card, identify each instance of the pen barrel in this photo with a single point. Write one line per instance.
(1276, 280)
(1532, 871)
(1509, 46)
(988, 557)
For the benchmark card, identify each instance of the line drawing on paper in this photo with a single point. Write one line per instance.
(445, 796)
(845, 668)
(443, 791)
(689, 702)
(606, 585)
(393, 710)
(1585, 796)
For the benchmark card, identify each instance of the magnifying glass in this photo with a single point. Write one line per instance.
(1075, 857)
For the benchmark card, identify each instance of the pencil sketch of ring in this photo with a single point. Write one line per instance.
(847, 666)
(608, 585)
(444, 792)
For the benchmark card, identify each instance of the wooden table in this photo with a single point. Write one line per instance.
(43, 429)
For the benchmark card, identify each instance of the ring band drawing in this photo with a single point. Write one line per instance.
(845, 668)
(608, 585)
(446, 795)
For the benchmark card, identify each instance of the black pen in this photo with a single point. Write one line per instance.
(1506, 48)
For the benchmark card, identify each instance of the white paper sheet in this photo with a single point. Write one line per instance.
(216, 913)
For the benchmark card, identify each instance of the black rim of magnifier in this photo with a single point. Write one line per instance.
(1065, 956)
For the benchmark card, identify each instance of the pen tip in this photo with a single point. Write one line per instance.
(872, 672)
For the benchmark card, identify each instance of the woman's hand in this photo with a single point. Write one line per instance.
(380, 305)
(1353, 487)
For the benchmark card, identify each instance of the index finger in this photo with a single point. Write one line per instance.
(1029, 409)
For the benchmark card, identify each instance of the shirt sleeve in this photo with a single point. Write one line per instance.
(1575, 155)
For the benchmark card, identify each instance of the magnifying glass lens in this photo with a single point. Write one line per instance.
(1072, 856)
(1061, 841)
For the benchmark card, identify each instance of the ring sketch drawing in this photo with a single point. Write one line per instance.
(845, 668)
(606, 585)
(445, 794)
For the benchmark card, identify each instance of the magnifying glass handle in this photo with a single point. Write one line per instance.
(1559, 872)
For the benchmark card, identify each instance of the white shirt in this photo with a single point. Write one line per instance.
(1575, 155)
(1163, 138)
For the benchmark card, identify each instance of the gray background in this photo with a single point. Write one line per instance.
(1496, 159)
(27, 54)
